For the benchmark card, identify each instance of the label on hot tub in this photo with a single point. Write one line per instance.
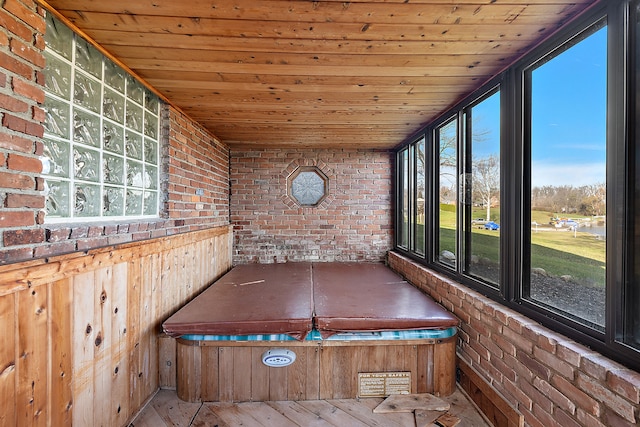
(383, 384)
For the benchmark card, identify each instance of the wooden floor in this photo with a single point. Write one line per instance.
(165, 409)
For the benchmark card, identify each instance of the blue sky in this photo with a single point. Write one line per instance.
(568, 117)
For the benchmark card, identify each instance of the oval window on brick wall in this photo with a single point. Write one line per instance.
(307, 186)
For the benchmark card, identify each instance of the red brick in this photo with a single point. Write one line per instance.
(86, 244)
(3, 79)
(15, 26)
(625, 383)
(578, 397)
(10, 63)
(600, 392)
(23, 237)
(23, 163)
(16, 181)
(27, 53)
(54, 249)
(8, 256)
(21, 125)
(556, 397)
(18, 200)
(38, 114)
(55, 235)
(30, 17)
(13, 104)
(28, 90)
(16, 219)
(565, 420)
(16, 143)
(587, 420)
(553, 362)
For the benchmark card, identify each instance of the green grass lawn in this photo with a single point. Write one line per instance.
(580, 255)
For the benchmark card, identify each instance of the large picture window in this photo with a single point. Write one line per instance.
(534, 182)
(102, 131)
(567, 114)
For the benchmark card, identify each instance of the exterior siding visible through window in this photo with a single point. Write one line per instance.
(102, 130)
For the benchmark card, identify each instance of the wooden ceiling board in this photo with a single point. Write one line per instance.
(326, 73)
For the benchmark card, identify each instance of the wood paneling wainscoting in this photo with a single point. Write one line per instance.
(80, 331)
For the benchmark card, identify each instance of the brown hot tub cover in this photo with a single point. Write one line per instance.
(251, 299)
(350, 297)
(292, 298)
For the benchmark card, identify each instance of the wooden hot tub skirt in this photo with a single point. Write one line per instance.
(232, 371)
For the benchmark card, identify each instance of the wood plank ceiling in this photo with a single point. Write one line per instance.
(325, 73)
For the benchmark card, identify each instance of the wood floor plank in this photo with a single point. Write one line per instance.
(231, 414)
(207, 418)
(148, 418)
(331, 414)
(265, 414)
(361, 411)
(165, 409)
(172, 410)
(299, 414)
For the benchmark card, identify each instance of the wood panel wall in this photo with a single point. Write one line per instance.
(80, 332)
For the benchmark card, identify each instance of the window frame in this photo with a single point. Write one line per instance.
(623, 54)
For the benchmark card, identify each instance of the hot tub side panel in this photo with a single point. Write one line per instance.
(233, 371)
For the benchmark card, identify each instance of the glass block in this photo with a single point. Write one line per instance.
(113, 137)
(114, 76)
(86, 92)
(57, 117)
(150, 151)
(57, 198)
(59, 37)
(86, 164)
(133, 145)
(151, 102)
(135, 90)
(56, 159)
(87, 200)
(113, 105)
(88, 58)
(150, 203)
(308, 187)
(113, 169)
(133, 205)
(150, 126)
(57, 76)
(86, 128)
(134, 116)
(113, 201)
(151, 177)
(134, 174)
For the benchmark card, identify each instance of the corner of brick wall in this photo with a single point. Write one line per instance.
(194, 168)
(21, 131)
(552, 380)
(353, 222)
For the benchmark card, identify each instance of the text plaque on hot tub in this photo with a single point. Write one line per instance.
(382, 384)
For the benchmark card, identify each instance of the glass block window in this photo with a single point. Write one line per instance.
(101, 134)
(308, 186)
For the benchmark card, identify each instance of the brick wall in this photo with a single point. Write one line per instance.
(193, 160)
(354, 221)
(550, 379)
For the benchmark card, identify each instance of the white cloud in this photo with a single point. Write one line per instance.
(567, 174)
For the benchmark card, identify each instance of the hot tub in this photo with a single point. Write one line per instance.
(337, 320)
